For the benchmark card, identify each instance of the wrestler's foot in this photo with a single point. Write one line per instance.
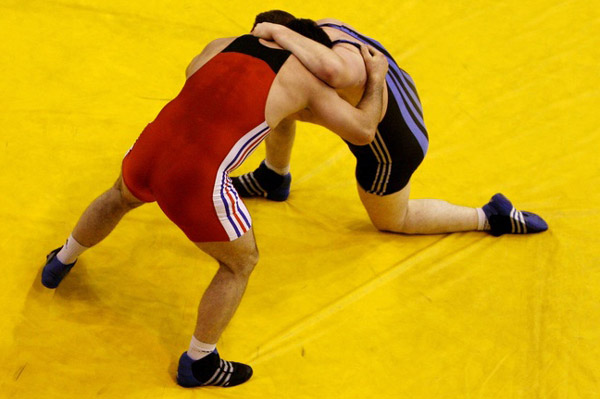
(211, 371)
(54, 270)
(504, 218)
(263, 182)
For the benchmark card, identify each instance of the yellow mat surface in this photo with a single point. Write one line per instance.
(335, 309)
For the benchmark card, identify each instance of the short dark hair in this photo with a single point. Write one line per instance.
(310, 29)
(274, 16)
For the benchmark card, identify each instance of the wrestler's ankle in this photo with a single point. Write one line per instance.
(279, 170)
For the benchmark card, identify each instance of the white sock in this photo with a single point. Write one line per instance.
(70, 251)
(199, 349)
(279, 171)
(482, 222)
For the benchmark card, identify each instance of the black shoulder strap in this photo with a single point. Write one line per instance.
(250, 45)
(357, 45)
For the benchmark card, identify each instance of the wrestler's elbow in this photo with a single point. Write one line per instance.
(327, 73)
(332, 73)
(369, 136)
(337, 80)
(363, 136)
(368, 129)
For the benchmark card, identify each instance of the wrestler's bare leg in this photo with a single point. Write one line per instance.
(201, 365)
(96, 222)
(236, 258)
(397, 213)
(221, 299)
(272, 178)
(104, 213)
(279, 145)
(394, 212)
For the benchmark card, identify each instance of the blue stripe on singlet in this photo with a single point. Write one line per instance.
(409, 101)
(402, 87)
(237, 204)
(411, 83)
(414, 98)
(397, 70)
(224, 183)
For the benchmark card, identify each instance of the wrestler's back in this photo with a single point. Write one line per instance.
(182, 159)
(221, 102)
(284, 98)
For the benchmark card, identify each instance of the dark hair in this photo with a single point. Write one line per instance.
(310, 29)
(274, 16)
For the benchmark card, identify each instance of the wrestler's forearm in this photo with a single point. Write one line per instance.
(354, 124)
(371, 105)
(321, 61)
(372, 101)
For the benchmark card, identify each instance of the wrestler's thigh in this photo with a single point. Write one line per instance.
(387, 212)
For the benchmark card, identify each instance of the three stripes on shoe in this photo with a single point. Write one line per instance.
(517, 222)
(251, 185)
(222, 375)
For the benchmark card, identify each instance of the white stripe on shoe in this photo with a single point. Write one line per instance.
(242, 180)
(252, 189)
(517, 221)
(259, 188)
(214, 376)
(229, 373)
(223, 369)
(222, 375)
(512, 221)
(522, 220)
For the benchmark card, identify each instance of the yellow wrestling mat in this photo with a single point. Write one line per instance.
(335, 309)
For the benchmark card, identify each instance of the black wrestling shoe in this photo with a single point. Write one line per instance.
(263, 182)
(54, 270)
(211, 370)
(504, 218)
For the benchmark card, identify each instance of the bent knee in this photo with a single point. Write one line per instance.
(387, 226)
(244, 264)
(117, 201)
(398, 223)
(125, 198)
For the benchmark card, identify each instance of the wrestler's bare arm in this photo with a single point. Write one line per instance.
(339, 68)
(330, 111)
(300, 95)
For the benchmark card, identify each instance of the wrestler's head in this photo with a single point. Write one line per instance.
(274, 16)
(306, 27)
(310, 29)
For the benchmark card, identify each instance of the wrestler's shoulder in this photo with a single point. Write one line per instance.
(210, 50)
(219, 44)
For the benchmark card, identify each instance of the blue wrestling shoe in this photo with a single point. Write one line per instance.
(211, 371)
(263, 182)
(54, 270)
(505, 219)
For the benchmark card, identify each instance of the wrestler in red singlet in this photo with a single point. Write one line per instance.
(182, 160)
